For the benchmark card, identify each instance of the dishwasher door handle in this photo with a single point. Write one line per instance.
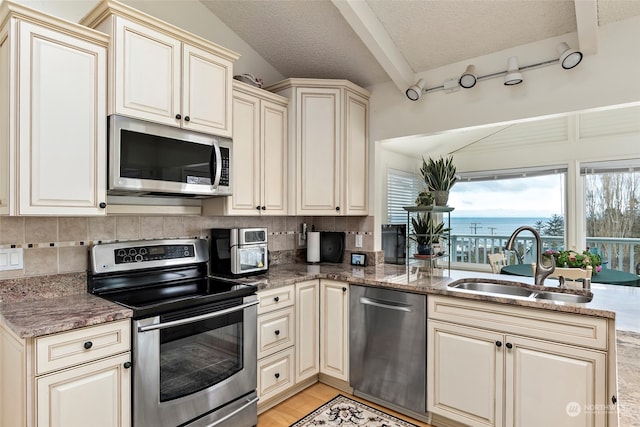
(381, 304)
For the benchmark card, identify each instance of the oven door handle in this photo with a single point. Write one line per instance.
(180, 322)
(237, 411)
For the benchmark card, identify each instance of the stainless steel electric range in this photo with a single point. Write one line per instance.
(194, 346)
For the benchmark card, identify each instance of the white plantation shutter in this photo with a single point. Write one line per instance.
(402, 190)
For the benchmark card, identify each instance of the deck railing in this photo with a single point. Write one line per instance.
(616, 253)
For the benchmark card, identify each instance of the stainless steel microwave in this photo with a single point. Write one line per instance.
(149, 159)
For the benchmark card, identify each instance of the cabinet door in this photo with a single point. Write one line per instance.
(206, 92)
(147, 73)
(273, 134)
(465, 374)
(6, 165)
(246, 172)
(62, 126)
(334, 329)
(551, 384)
(356, 155)
(307, 329)
(69, 398)
(318, 151)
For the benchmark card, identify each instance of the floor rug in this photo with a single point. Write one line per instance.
(345, 412)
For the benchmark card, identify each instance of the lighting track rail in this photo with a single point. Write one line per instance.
(569, 58)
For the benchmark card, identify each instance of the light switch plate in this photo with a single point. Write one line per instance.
(11, 259)
(358, 240)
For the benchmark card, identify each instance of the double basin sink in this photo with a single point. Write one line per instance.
(518, 291)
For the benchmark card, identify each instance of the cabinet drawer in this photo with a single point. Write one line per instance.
(275, 374)
(66, 349)
(275, 331)
(275, 299)
(567, 328)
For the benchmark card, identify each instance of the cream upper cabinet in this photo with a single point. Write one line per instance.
(328, 144)
(163, 74)
(494, 365)
(53, 109)
(259, 170)
(334, 329)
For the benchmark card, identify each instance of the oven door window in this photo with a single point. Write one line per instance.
(252, 258)
(198, 355)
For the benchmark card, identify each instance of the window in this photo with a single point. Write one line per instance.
(402, 190)
(491, 205)
(612, 217)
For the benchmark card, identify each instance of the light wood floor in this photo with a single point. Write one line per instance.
(291, 410)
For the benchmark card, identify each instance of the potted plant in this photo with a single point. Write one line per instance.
(427, 232)
(439, 176)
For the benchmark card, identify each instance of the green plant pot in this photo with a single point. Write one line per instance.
(441, 197)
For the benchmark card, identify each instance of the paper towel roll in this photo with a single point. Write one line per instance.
(313, 246)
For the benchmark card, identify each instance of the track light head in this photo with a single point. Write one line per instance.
(513, 76)
(468, 79)
(414, 92)
(569, 58)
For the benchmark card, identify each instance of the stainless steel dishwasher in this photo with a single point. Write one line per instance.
(388, 347)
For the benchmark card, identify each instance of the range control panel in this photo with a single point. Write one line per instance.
(152, 253)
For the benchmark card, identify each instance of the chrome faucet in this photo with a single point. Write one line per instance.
(542, 271)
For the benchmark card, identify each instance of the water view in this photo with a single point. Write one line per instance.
(491, 226)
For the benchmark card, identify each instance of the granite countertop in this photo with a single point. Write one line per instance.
(36, 317)
(29, 316)
(408, 279)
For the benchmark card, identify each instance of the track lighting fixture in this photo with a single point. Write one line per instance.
(414, 92)
(513, 76)
(468, 79)
(569, 58)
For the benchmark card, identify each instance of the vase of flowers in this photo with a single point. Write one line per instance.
(574, 259)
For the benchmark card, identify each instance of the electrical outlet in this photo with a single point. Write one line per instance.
(358, 240)
(11, 259)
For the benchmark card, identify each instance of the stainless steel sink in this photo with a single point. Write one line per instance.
(558, 296)
(514, 290)
(493, 288)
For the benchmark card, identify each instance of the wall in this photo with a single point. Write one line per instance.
(600, 80)
(60, 244)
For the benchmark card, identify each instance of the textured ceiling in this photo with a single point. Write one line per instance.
(311, 38)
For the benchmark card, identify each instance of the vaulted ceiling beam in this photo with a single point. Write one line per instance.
(366, 25)
(587, 22)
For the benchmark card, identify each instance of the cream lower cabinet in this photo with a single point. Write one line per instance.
(70, 379)
(481, 373)
(259, 170)
(53, 107)
(328, 146)
(161, 73)
(276, 341)
(307, 329)
(334, 329)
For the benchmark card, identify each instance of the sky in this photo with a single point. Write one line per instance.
(541, 196)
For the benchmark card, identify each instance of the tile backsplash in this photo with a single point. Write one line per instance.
(55, 245)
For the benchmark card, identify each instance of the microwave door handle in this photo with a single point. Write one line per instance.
(215, 165)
